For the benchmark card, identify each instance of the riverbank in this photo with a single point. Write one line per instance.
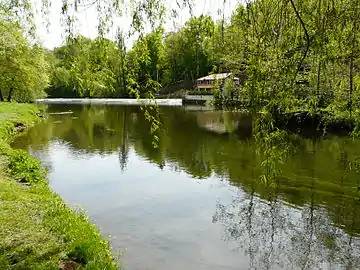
(37, 229)
(301, 119)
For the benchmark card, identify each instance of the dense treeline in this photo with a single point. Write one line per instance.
(293, 54)
(290, 55)
(103, 68)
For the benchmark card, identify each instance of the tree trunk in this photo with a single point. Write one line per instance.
(10, 94)
(1, 96)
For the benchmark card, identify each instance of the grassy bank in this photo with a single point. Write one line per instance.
(37, 229)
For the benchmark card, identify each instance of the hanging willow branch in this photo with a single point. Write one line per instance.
(307, 39)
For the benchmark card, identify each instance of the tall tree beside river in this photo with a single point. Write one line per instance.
(23, 68)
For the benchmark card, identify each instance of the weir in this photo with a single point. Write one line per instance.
(119, 101)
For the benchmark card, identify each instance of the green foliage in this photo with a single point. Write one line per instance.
(145, 63)
(85, 68)
(229, 92)
(186, 51)
(23, 68)
(290, 55)
(25, 168)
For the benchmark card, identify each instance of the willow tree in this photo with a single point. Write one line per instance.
(297, 55)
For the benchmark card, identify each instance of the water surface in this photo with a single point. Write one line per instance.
(198, 201)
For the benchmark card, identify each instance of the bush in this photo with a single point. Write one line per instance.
(25, 168)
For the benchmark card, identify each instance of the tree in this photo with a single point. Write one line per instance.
(23, 68)
(186, 52)
(145, 62)
(86, 68)
(120, 66)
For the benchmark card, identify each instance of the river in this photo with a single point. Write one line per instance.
(198, 200)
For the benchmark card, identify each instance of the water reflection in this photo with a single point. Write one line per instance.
(274, 235)
(307, 218)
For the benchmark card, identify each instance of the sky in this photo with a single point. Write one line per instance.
(53, 35)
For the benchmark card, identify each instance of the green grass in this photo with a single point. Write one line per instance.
(14, 115)
(37, 229)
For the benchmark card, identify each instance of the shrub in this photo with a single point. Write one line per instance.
(25, 168)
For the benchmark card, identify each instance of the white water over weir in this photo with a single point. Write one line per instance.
(120, 101)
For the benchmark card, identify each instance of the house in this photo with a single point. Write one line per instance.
(209, 82)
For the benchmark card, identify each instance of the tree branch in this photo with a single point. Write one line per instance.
(307, 39)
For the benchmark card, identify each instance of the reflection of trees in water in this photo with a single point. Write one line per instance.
(124, 145)
(123, 156)
(280, 236)
(275, 235)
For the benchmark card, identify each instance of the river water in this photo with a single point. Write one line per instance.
(198, 200)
